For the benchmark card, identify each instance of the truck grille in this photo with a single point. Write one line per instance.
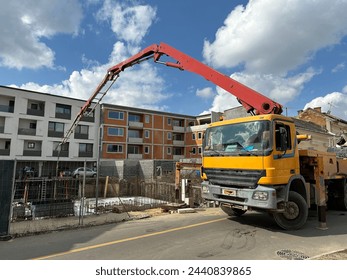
(241, 178)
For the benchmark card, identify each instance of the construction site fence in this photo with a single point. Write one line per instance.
(45, 197)
(32, 191)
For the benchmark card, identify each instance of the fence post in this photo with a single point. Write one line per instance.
(6, 194)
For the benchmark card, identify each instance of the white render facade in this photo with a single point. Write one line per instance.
(32, 124)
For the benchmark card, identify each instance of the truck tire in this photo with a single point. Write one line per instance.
(295, 215)
(232, 211)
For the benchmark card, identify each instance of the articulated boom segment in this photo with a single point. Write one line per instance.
(254, 102)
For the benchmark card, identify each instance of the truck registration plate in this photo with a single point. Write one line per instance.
(229, 192)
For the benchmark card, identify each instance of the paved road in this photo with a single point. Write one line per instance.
(203, 235)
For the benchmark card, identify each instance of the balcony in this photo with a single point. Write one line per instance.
(134, 156)
(135, 140)
(85, 154)
(4, 152)
(35, 112)
(178, 129)
(27, 131)
(62, 153)
(6, 109)
(137, 125)
(57, 134)
(81, 136)
(178, 143)
(36, 108)
(32, 153)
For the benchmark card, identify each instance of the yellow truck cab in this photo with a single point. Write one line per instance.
(253, 163)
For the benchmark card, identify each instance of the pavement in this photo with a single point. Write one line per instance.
(335, 233)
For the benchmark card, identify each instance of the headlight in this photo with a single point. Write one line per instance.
(205, 189)
(260, 195)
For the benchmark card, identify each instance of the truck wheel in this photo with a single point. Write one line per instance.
(232, 211)
(295, 214)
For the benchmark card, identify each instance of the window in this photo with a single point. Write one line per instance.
(147, 119)
(116, 115)
(115, 131)
(199, 135)
(133, 150)
(168, 121)
(7, 145)
(169, 135)
(146, 150)
(147, 134)
(82, 129)
(86, 148)
(134, 118)
(193, 151)
(133, 133)
(63, 111)
(169, 150)
(56, 127)
(31, 145)
(282, 137)
(199, 150)
(114, 148)
(34, 106)
(193, 136)
(32, 125)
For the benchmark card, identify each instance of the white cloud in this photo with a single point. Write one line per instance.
(276, 36)
(339, 67)
(25, 23)
(268, 39)
(205, 92)
(129, 23)
(335, 102)
(138, 86)
(279, 89)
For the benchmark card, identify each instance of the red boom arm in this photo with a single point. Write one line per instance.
(251, 100)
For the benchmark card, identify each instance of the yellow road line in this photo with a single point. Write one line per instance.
(125, 240)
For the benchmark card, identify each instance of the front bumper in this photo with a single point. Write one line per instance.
(261, 197)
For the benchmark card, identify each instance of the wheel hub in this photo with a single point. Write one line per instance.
(291, 211)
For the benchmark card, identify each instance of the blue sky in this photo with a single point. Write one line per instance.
(293, 51)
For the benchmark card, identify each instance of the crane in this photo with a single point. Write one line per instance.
(254, 102)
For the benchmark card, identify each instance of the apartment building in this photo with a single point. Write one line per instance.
(133, 133)
(32, 125)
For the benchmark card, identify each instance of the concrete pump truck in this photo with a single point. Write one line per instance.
(250, 163)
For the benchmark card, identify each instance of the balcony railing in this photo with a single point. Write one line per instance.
(133, 124)
(65, 116)
(35, 112)
(4, 152)
(31, 153)
(58, 134)
(81, 136)
(135, 140)
(135, 156)
(178, 142)
(85, 154)
(178, 129)
(61, 154)
(27, 131)
(7, 109)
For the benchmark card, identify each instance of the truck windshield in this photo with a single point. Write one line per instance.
(248, 138)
